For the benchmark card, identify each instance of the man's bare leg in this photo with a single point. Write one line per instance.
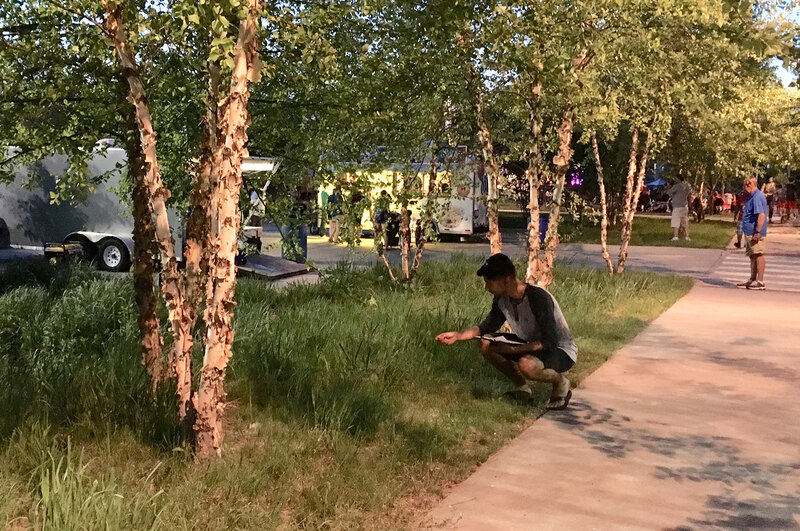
(533, 369)
(506, 366)
(753, 268)
(760, 264)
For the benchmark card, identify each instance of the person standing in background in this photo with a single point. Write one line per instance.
(768, 189)
(336, 216)
(780, 203)
(791, 200)
(679, 193)
(741, 199)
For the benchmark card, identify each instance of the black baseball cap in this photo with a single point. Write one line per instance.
(497, 266)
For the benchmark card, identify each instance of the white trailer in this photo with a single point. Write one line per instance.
(102, 223)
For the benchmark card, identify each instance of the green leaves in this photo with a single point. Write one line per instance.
(340, 78)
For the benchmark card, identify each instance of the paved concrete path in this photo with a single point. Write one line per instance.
(693, 425)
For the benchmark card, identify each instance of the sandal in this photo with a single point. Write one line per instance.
(557, 403)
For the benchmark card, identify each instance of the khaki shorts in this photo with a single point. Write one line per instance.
(753, 249)
(680, 217)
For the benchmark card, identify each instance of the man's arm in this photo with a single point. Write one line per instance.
(762, 218)
(491, 323)
(448, 338)
(761, 208)
(544, 310)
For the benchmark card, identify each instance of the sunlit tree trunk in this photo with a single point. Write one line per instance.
(490, 164)
(405, 239)
(630, 177)
(209, 401)
(603, 206)
(534, 181)
(627, 229)
(424, 221)
(198, 243)
(561, 163)
(492, 169)
(157, 193)
(703, 202)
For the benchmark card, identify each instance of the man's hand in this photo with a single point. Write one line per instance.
(756, 236)
(448, 338)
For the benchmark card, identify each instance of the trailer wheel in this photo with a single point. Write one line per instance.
(112, 255)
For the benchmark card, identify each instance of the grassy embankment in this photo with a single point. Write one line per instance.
(650, 230)
(344, 412)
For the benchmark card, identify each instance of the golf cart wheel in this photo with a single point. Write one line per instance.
(112, 255)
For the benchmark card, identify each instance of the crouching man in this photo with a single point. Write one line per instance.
(545, 349)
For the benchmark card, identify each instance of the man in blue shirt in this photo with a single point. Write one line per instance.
(754, 227)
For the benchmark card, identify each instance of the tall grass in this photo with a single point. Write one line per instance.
(340, 401)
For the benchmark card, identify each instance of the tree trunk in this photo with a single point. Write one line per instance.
(157, 193)
(561, 162)
(627, 228)
(703, 201)
(423, 239)
(603, 206)
(490, 165)
(634, 152)
(405, 239)
(143, 240)
(425, 221)
(492, 170)
(379, 238)
(209, 402)
(534, 180)
(198, 245)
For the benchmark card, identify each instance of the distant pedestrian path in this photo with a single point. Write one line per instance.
(782, 274)
(783, 262)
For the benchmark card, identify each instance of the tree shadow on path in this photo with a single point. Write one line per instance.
(755, 495)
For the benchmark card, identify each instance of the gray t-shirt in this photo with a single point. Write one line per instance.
(680, 193)
(536, 317)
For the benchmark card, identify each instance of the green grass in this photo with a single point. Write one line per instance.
(710, 234)
(343, 411)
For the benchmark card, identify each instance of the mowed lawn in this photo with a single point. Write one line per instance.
(343, 411)
(647, 230)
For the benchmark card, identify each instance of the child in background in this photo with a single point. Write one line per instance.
(741, 199)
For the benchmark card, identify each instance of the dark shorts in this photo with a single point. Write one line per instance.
(555, 359)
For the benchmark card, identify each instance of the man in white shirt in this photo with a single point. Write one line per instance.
(680, 193)
(543, 348)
